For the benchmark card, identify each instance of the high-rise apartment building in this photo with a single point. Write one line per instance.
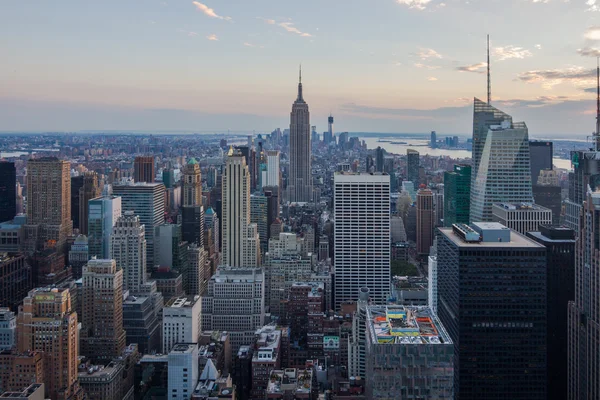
(523, 217)
(237, 233)
(235, 303)
(47, 323)
(362, 236)
(90, 190)
(128, 249)
(492, 302)
(192, 211)
(148, 201)
(48, 203)
(541, 153)
(143, 169)
(560, 284)
(457, 195)
(273, 174)
(425, 220)
(102, 334)
(300, 186)
(8, 191)
(412, 167)
(102, 217)
(181, 321)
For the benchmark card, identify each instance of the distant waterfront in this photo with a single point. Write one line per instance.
(422, 146)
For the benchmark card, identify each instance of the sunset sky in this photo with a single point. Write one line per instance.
(376, 65)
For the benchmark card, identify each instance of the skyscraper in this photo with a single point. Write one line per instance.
(46, 322)
(8, 191)
(541, 157)
(148, 201)
(433, 140)
(192, 211)
(102, 217)
(236, 210)
(362, 236)
(48, 202)
(492, 301)
(128, 249)
(88, 191)
(425, 221)
(300, 188)
(330, 133)
(502, 171)
(412, 167)
(143, 169)
(379, 159)
(102, 334)
(76, 184)
(273, 178)
(548, 193)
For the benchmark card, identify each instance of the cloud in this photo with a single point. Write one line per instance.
(209, 11)
(188, 33)
(477, 68)
(538, 46)
(425, 54)
(592, 33)
(540, 101)
(589, 52)
(212, 36)
(289, 26)
(593, 5)
(508, 52)
(416, 4)
(552, 77)
(249, 44)
(432, 79)
(429, 67)
(442, 113)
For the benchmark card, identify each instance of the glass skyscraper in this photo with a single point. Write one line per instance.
(457, 195)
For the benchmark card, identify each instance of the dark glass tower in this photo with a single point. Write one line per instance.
(412, 167)
(76, 184)
(492, 300)
(8, 191)
(560, 283)
(379, 160)
(541, 157)
(457, 195)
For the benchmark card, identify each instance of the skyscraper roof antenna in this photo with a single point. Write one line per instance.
(597, 135)
(300, 75)
(489, 77)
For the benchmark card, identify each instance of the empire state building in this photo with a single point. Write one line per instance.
(300, 187)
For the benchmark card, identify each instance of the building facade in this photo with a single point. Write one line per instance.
(143, 169)
(457, 195)
(181, 321)
(128, 249)
(523, 217)
(8, 191)
(103, 213)
(425, 220)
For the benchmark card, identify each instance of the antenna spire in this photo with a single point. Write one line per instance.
(300, 99)
(489, 77)
(598, 104)
(300, 75)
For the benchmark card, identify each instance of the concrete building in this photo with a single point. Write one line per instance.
(523, 217)
(141, 324)
(235, 303)
(102, 382)
(19, 370)
(199, 272)
(192, 210)
(273, 169)
(143, 169)
(548, 193)
(12, 234)
(102, 218)
(102, 334)
(47, 323)
(16, 279)
(79, 254)
(492, 291)
(128, 249)
(292, 384)
(35, 391)
(409, 354)
(265, 359)
(8, 329)
(425, 220)
(181, 321)
(362, 236)
(147, 200)
(183, 371)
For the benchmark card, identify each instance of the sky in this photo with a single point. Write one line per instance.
(216, 65)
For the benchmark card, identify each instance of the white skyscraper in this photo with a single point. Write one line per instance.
(181, 321)
(183, 371)
(128, 249)
(362, 236)
(272, 168)
(198, 270)
(236, 228)
(102, 217)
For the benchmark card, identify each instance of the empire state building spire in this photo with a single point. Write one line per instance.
(300, 99)
(300, 188)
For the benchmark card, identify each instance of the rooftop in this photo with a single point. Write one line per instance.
(521, 206)
(290, 379)
(405, 325)
(98, 371)
(516, 239)
(267, 343)
(182, 302)
(182, 348)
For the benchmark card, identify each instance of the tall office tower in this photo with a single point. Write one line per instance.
(425, 221)
(300, 187)
(16, 279)
(76, 184)
(548, 193)
(492, 301)
(181, 321)
(330, 133)
(8, 329)
(172, 251)
(560, 287)
(259, 213)
(47, 323)
(272, 195)
(433, 140)
(211, 221)
(236, 210)
(102, 217)
(192, 211)
(102, 334)
(503, 174)
(128, 249)
(405, 345)
(432, 282)
(235, 303)
(457, 195)
(362, 236)
(369, 164)
(357, 343)
(379, 159)
(48, 202)
(412, 167)
(541, 157)
(584, 315)
(261, 171)
(148, 201)
(90, 190)
(8, 191)
(273, 174)
(183, 371)
(198, 270)
(20, 209)
(79, 255)
(522, 218)
(143, 169)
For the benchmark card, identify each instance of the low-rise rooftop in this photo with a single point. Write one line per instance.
(290, 380)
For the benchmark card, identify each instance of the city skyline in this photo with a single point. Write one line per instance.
(159, 66)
